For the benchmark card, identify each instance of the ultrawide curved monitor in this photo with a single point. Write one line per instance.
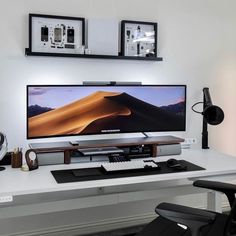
(67, 110)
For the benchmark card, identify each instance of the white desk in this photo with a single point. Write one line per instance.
(39, 186)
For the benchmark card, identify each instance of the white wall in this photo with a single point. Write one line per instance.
(197, 40)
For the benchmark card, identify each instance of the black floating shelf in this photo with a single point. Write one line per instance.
(29, 53)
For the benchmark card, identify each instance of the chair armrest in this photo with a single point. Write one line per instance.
(182, 212)
(228, 189)
(193, 218)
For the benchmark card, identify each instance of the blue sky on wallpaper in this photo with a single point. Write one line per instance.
(55, 97)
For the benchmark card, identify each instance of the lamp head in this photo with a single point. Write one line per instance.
(213, 115)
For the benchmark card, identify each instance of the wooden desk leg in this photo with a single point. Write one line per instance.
(67, 157)
(214, 201)
(154, 150)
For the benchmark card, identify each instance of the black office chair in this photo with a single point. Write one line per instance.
(197, 222)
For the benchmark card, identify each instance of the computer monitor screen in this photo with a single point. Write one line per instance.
(66, 110)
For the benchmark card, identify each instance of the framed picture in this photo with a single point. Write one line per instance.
(56, 34)
(138, 39)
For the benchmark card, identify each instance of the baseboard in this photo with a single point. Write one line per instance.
(90, 228)
(99, 226)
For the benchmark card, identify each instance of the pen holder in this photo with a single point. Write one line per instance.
(16, 159)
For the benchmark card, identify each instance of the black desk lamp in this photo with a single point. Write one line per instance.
(212, 115)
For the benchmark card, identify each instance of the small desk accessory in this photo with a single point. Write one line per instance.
(31, 159)
(16, 158)
(24, 168)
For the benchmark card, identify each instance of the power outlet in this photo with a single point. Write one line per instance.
(4, 199)
(190, 141)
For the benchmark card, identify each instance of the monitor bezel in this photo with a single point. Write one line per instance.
(103, 85)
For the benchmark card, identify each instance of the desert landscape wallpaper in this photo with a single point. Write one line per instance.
(76, 110)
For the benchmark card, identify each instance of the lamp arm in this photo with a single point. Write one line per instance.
(206, 102)
(204, 135)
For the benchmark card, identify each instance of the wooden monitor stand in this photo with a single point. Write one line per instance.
(67, 147)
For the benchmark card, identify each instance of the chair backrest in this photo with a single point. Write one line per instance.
(230, 228)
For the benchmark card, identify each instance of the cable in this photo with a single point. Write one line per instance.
(195, 105)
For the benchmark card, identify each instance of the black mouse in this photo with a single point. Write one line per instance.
(171, 162)
(147, 167)
(175, 164)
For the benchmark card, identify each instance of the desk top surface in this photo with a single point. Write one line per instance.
(16, 182)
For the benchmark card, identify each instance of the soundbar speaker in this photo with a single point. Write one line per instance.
(168, 149)
(52, 158)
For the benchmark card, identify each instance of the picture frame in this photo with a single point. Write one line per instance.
(56, 35)
(138, 38)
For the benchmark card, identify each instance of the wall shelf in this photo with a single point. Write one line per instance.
(29, 53)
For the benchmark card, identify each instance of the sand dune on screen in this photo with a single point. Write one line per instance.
(73, 118)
